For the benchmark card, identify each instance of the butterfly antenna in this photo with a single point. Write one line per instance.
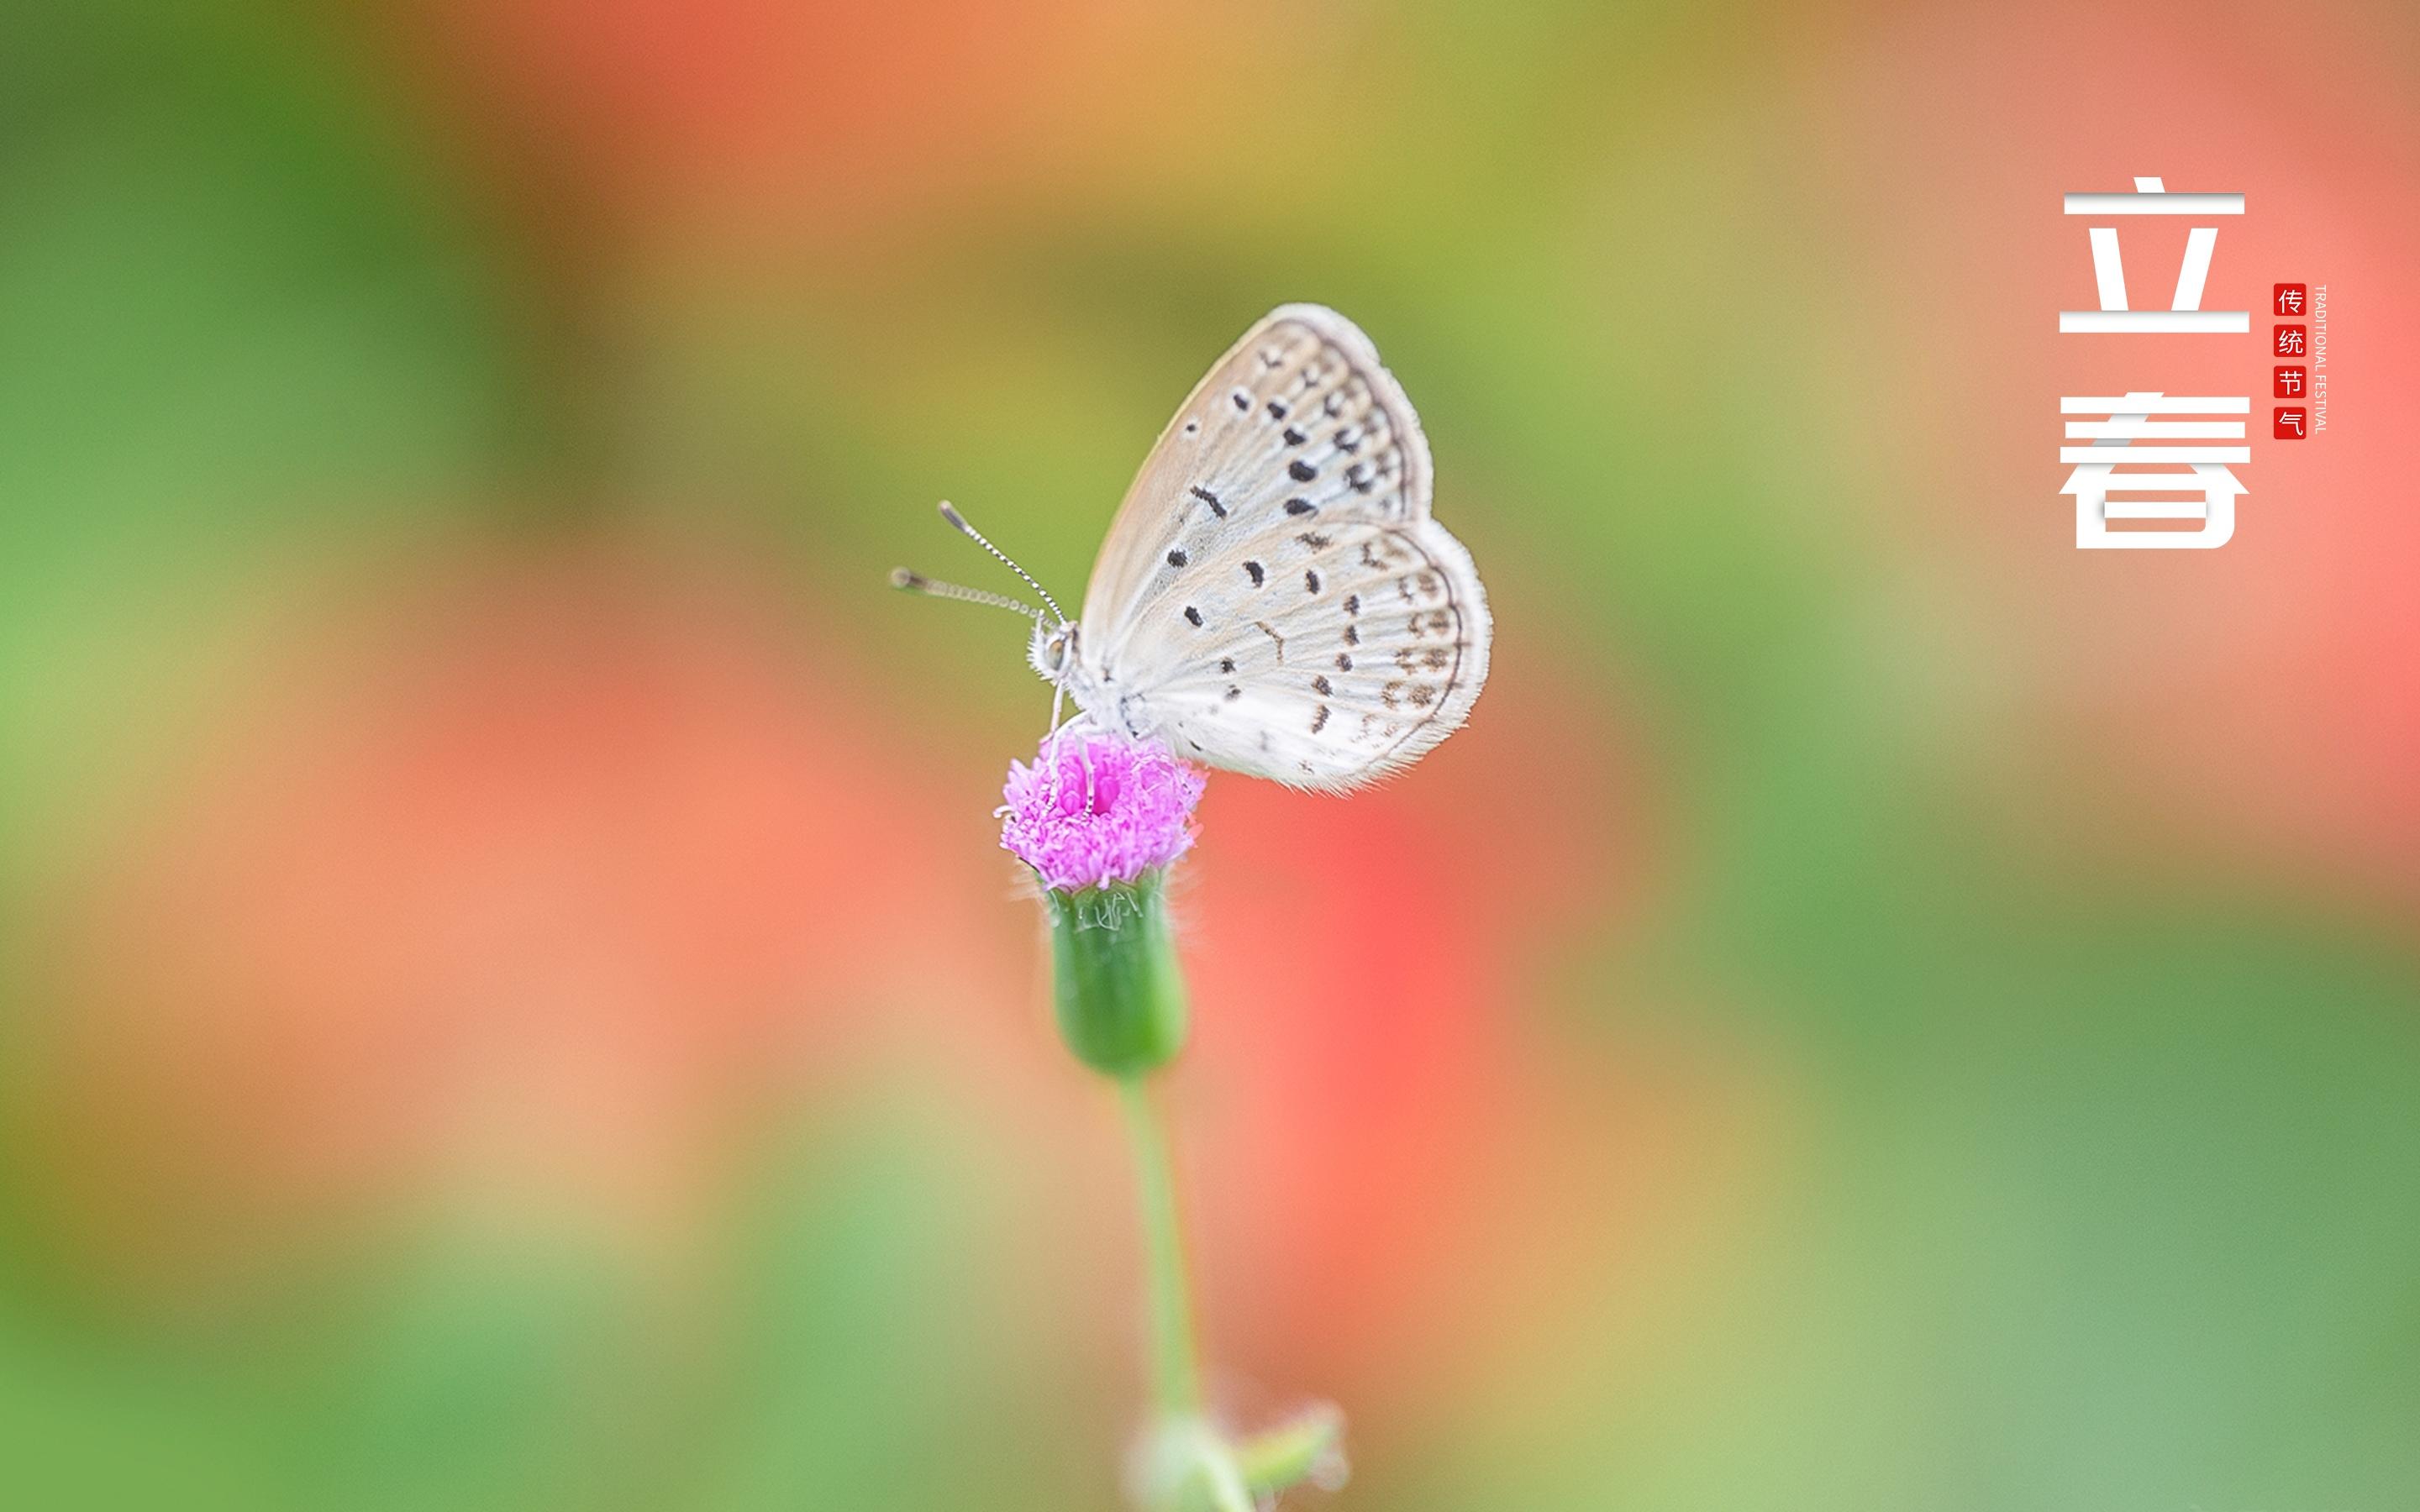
(958, 522)
(916, 582)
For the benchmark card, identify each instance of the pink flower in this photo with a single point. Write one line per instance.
(1097, 809)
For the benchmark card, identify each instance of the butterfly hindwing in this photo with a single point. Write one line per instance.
(1273, 597)
(1351, 661)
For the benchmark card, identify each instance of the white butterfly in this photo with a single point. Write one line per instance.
(1273, 597)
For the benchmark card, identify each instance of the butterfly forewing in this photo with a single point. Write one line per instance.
(1298, 419)
(1273, 597)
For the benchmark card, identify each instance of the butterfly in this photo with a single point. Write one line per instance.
(1273, 597)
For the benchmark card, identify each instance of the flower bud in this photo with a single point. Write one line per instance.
(1100, 819)
(1121, 997)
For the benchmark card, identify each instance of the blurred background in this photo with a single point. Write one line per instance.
(509, 996)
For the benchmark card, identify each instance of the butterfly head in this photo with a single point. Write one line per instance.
(1052, 650)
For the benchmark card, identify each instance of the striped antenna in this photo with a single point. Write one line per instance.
(916, 582)
(958, 522)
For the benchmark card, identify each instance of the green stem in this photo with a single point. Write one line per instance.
(1176, 1367)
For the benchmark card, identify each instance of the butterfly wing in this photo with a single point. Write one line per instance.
(1273, 596)
(1353, 661)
